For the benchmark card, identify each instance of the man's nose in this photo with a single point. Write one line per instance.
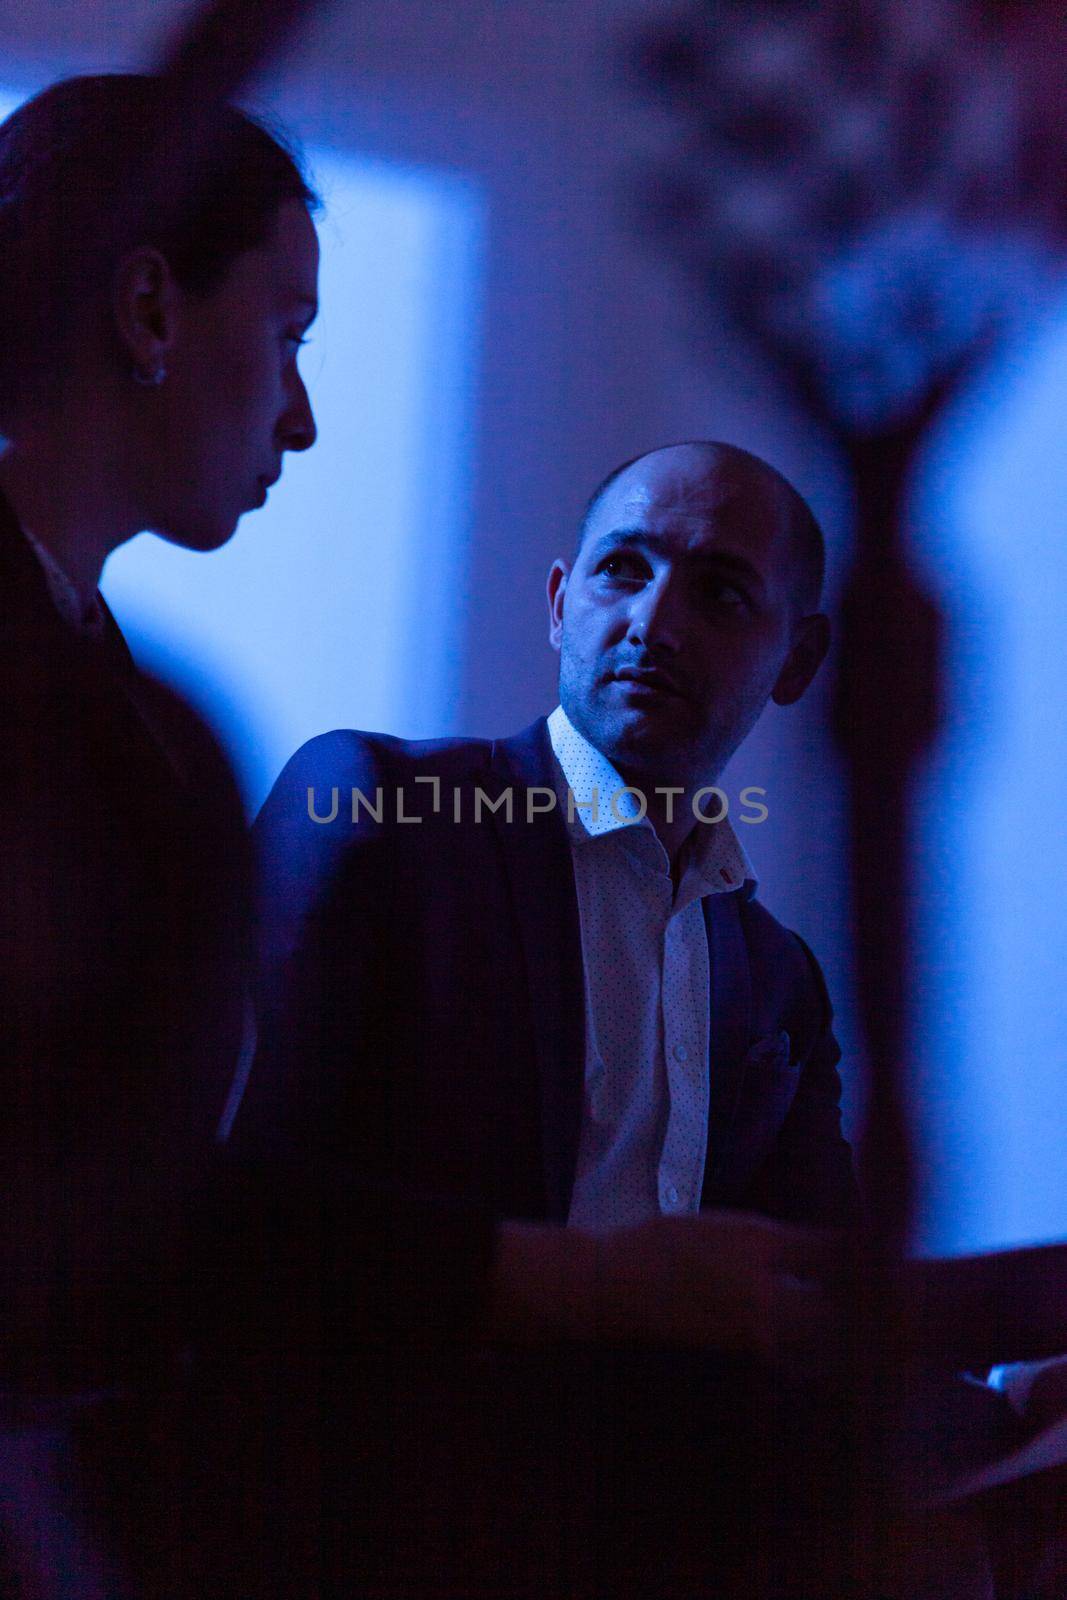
(297, 430)
(655, 616)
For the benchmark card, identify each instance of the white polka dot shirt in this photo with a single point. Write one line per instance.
(644, 1127)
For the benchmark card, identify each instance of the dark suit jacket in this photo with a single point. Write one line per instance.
(120, 891)
(422, 1016)
(122, 885)
(420, 1076)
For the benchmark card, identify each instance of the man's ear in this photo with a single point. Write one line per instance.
(811, 641)
(557, 588)
(145, 302)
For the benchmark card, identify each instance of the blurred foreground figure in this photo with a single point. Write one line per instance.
(148, 380)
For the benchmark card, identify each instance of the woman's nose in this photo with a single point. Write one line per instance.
(298, 430)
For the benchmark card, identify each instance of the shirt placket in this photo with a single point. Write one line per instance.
(685, 1004)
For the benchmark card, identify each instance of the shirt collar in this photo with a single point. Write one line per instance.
(64, 596)
(717, 856)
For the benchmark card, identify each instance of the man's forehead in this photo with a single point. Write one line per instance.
(695, 498)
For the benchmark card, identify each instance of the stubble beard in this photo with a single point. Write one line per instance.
(642, 758)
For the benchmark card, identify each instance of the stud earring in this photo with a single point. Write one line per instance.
(150, 380)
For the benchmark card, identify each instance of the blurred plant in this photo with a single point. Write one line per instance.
(862, 185)
(854, 182)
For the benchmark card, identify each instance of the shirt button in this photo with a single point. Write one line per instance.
(681, 1053)
(670, 1196)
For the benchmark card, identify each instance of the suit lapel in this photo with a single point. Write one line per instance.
(537, 857)
(730, 1018)
(24, 597)
(114, 643)
(141, 700)
(26, 605)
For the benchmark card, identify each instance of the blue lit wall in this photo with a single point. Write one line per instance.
(991, 1022)
(336, 605)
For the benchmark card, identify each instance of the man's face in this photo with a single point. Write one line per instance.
(678, 619)
(233, 401)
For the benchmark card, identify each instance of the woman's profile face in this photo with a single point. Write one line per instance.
(233, 401)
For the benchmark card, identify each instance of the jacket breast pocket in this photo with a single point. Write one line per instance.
(767, 1088)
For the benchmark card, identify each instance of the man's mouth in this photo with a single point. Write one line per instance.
(652, 679)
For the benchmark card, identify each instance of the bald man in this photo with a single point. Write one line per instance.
(520, 998)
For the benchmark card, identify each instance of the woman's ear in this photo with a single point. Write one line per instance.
(145, 305)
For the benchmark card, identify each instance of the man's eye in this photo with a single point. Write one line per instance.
(727, 594)
(623, 566)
